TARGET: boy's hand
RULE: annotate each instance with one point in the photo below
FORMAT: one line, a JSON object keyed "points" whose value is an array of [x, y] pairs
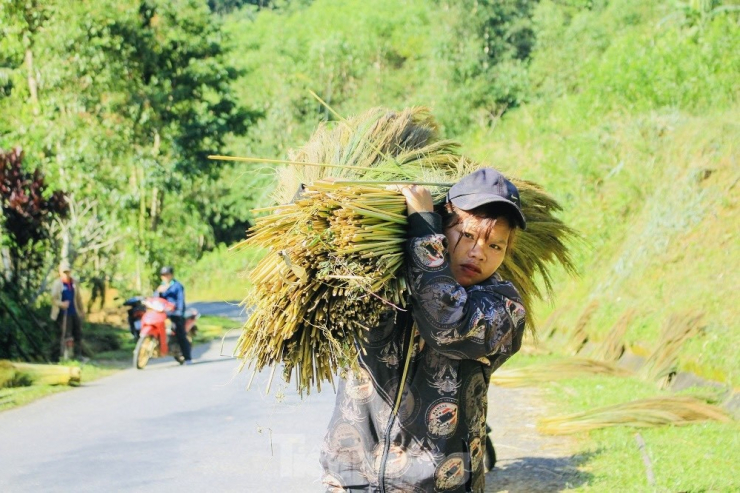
{"points": [[418, 199], [64, 305]]}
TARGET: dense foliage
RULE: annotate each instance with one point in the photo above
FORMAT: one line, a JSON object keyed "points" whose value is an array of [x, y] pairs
{"points": [[118, 101], [29, 210]]}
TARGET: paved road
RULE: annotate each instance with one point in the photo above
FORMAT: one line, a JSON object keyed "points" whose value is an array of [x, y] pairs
{"points": [[168, 428], [230, 309], [196, 428]]}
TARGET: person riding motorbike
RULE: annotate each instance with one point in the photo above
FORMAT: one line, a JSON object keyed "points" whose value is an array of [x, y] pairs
{"points": [[174, 292]]}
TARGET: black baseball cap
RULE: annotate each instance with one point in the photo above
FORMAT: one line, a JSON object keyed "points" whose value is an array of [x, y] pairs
{"points": [[166, 270], [486, 186]]}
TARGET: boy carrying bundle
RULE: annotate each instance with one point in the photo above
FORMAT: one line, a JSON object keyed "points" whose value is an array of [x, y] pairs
{"points": [[413, 418]]}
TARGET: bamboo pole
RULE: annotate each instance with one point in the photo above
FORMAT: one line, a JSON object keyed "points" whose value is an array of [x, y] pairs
{"points": [[241, 159]]}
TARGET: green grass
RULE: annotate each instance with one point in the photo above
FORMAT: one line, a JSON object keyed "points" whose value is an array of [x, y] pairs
{"points": [[655, 197], [19, 396], [220, 275], [694, 458], [108, 344], [212, 328]]}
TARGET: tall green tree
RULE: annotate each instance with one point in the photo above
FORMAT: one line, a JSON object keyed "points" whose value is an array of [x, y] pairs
{"points": [[134, 96]]}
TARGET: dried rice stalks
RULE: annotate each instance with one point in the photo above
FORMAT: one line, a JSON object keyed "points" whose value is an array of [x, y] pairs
{"points": [[336, 251], [335, 266], [661, 364], [579, 335], [612, 348], [547, 372], [13, 374], [643, 413], [550, 327], [538, 247]]}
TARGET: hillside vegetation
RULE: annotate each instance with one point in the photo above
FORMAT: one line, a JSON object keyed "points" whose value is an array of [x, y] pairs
{"points": [[636, 132], [625, 110]]}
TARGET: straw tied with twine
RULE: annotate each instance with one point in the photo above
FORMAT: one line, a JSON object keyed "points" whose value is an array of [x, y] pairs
{"points": [[336, 250]]}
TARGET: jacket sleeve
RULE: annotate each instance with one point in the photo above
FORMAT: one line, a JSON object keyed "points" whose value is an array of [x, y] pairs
{"points": [[480, 323], [180, 305], [56, 293]]}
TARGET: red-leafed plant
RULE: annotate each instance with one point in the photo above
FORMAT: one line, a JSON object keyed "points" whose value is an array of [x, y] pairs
{"points": [[28, 209]]}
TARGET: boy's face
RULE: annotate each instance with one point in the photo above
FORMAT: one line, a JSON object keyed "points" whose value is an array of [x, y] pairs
{"points": [[473, 258]]}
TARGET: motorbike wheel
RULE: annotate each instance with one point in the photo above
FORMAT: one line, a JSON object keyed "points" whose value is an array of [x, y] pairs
{"points": [[144, 350]]}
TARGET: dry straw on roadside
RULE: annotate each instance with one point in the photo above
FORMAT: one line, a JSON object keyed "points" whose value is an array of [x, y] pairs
{"points": [[663, 361], [612, 348], [556, 370], [643, 413], [579, 335], [14, 374], [335, 260]]}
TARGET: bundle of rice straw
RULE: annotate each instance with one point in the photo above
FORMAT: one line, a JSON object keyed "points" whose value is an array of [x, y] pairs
{"points": [[612, 347], [336, 249], [662, 363], [556, 370], [643, 413], [579, 334], [15, 374]]}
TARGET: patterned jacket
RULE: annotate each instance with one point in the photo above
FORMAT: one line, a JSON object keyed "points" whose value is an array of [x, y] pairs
{"points": [[427, 434]]}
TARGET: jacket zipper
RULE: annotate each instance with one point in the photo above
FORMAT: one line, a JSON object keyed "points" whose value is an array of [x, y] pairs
{"points": [[394, 413]]}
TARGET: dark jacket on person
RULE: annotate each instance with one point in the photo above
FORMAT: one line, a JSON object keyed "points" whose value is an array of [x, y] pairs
{"points": [[175, 294], [428, 433]]}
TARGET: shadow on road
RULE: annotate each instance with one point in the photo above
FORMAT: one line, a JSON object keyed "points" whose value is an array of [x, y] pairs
{"points": [[224, 345], [538, 474]]}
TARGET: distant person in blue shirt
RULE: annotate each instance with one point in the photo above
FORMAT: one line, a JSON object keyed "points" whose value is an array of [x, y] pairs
{"points": [[67, 311], [174, 292]]}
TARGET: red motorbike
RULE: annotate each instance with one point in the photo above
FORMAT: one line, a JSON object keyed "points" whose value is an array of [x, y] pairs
{"points": [[157, 337]]}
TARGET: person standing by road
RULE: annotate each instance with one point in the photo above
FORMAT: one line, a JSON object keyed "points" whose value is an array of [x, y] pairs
{"points": [[174, 292], [67, 311]]}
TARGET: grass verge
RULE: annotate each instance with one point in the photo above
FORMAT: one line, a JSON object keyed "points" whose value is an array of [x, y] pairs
{"points": [[694, 458], [19, 396], [220, 275]]}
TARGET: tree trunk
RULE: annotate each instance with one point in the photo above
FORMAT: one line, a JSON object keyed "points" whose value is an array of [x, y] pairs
{"points": [[32, 85], [154, 209], [7, 264], [67, 248], [141, 243]]}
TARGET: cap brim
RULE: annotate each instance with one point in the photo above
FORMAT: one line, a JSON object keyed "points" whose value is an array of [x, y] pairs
{"points": [[473, 201]]}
